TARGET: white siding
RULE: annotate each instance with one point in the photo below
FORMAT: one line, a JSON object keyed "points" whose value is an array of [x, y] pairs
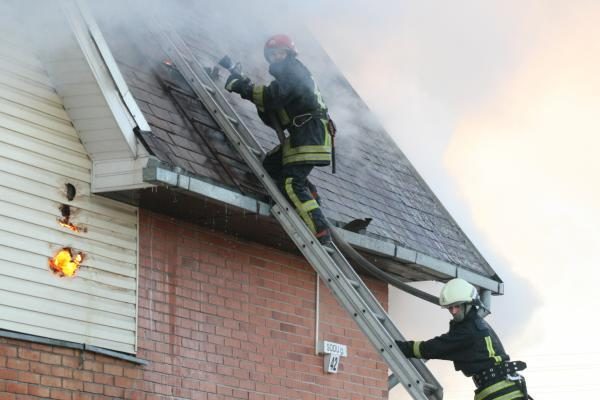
{"points": [[40, 152]]}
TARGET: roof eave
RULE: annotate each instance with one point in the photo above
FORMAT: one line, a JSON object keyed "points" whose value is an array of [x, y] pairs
{"points": [[158, 174]]}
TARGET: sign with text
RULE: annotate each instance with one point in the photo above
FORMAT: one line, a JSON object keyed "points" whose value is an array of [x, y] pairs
{"points": [[326, 347], [333, 353]]}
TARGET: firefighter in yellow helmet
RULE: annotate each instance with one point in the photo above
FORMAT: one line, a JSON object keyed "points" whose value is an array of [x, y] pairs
{"points": [[472, 345], [294, 101]]}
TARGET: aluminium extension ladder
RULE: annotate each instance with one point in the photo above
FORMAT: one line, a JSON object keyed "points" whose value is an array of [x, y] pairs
{"points": [[329, 263]]}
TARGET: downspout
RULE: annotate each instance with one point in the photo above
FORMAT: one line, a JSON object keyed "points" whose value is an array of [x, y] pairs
{"points": [[317, 310]]}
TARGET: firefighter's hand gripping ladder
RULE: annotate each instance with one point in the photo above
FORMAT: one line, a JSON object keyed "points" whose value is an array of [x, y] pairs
{"points": [[329, 263]]}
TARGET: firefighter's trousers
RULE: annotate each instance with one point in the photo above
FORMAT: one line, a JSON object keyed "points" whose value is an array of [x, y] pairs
{"points": [[293, 183]]}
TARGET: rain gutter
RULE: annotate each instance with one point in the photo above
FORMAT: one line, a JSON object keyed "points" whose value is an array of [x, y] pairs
{"points": [[177, 179]]}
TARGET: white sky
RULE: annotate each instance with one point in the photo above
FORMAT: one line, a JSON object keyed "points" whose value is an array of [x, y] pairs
{"points": [[497, 104]]}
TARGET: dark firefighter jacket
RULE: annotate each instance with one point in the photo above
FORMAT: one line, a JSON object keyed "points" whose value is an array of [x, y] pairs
{"points": [[294, 97], [471, 344]]}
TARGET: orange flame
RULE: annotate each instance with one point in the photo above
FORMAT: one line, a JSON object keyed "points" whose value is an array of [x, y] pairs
{"points": [[64, 263], [65, 222]]}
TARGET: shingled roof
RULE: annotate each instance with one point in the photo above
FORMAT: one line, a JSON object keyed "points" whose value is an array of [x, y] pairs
{"points": [[374, 179]]}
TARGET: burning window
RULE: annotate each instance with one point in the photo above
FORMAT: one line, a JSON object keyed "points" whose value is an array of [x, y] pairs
{"points": [[65, 262]]}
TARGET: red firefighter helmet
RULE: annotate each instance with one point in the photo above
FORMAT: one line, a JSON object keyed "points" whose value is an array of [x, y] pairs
{"points": [[280, 41]]}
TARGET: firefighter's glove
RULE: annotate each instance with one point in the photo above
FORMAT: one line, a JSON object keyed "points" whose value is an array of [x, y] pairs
{"points": [[239, 84], [405, 347]]}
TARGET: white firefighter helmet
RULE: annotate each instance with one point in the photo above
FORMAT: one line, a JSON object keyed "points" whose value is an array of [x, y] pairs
{"points": [[458, 291]]}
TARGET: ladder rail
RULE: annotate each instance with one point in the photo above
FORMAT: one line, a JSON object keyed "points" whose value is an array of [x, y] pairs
{"points": [[211, 95], [377, 308], [353, 301]]}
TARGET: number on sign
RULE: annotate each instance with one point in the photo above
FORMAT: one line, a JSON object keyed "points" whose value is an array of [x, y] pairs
{"points": [[333, 363]]}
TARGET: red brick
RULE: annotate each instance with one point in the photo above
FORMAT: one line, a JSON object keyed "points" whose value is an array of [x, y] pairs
{"points": [[84, 376], [93, 387], [39, 368], [50, 358], [113, 392], [72, 362], [8, 374], [29, 354], [60, 394], [16, 387], [15, 363], [132, 372], [5, 395], [72, 384], [123, 382], [39, 391], [92, 366], [28, 377], [104, 379], [62, 372], [65, 351], [51, 381], [7, 351], [113, 370]]}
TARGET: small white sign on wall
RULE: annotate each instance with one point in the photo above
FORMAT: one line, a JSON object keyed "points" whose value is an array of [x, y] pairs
{"points": [[333, 353]]}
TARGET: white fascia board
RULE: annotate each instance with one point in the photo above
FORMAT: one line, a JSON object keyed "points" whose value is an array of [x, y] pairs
{"points": [[106, 72], [113, 67], [119, 174]]}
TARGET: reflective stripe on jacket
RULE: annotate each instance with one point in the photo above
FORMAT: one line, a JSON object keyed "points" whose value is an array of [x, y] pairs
{"points": [[471, 344], [293, 93]]}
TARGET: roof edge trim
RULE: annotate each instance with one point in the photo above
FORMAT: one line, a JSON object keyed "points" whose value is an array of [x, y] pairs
{"points": [[161, 175], [420, 260], [108, 76]]}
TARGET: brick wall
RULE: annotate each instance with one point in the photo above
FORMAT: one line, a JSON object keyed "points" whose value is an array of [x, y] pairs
{"points": [[219, 318]]}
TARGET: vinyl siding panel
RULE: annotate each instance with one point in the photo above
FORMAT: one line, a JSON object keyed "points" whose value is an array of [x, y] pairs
{"points": [[40, 152]]}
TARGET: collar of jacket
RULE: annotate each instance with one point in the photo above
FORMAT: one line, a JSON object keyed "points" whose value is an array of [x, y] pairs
{"points": [[471, 315]]}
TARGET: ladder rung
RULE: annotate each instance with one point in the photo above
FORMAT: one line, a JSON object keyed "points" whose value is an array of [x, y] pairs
{"points": [[256, 152], [380, 317], [232, 120], [354, 283], [392, 381], [208, 88], [430, 387]]}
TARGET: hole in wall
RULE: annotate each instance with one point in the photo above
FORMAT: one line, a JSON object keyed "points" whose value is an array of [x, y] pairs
{"points": [[70, 191], [66, 262]]}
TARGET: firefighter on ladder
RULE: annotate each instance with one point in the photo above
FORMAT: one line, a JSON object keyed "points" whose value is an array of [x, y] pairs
{"points": [[473, 346], [293, 102]]}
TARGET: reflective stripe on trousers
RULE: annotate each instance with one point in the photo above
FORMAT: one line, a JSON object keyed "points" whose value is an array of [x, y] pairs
{"points": [[293, 182], [503, 390]]}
